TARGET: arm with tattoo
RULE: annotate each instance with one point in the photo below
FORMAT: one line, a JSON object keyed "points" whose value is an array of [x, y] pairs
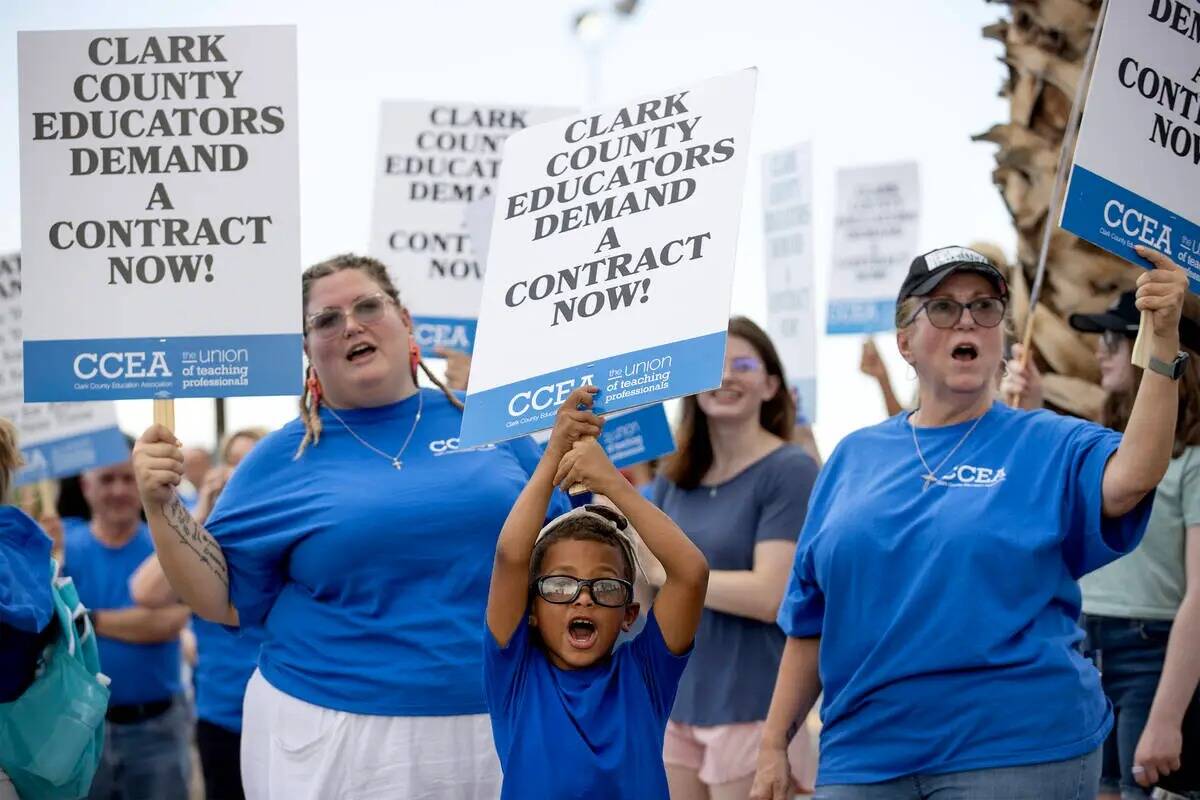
{"points": [[192, 560]]}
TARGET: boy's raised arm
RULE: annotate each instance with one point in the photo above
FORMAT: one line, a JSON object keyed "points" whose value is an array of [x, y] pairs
{"points": [[509, 593], [680, 601]]}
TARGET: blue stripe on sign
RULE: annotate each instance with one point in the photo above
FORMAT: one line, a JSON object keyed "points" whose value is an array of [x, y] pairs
{"points": [[632, 379], [638, 436], [186, 366], [72, 455], [1112, 217], [456, 333], [867, 316]]}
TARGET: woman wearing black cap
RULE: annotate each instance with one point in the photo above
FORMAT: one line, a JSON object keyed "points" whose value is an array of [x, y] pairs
{"points": [[940, 555], [1142, 613]]}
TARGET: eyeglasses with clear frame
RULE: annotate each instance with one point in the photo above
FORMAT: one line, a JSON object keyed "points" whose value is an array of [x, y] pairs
{"points": [[367, 310]]}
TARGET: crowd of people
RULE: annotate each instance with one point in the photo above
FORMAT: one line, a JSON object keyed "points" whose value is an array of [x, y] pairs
{"points": [[988, 601]]}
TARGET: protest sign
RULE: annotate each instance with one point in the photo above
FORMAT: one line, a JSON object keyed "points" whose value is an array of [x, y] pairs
{"points": [[1137, 161], [634, 437], [874, 241], [56, 439], [160, 213], [611, 257], [435, 159], [788, 262]]}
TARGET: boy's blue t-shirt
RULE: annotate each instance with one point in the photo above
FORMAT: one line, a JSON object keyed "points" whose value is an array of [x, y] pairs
{"points": [[949, 614], [586, 733], [140, 673], [371, 582], [226, 660]]}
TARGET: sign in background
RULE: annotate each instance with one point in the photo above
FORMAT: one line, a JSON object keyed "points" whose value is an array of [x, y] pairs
{"points": [[632, 437], [56, 439], [160, 235], [611, 257], [788, 262], [874, 242], [1137, 161], [435, 160]]}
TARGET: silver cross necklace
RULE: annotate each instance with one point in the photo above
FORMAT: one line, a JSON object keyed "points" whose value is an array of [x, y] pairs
{"points": [[930, 477], [396, 462]]}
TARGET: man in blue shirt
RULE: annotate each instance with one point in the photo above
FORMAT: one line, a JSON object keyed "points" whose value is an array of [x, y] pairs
{"points": [[146, 732]]}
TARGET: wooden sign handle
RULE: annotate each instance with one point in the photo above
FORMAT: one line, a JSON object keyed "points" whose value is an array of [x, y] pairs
{"points": [[164, 413], [1144, 342], [577, 489], [46, 502]]}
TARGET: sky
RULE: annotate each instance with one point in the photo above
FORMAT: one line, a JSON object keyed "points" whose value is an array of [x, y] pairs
{"points": [[868, 82]]}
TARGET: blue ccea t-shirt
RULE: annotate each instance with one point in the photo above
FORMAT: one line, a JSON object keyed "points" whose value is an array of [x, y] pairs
{"points": [[226, 660], [371, 582], [949, 615], [585, 733], [140, 673]]}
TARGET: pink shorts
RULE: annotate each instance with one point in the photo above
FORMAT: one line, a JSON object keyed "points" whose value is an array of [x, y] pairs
{"points": [[727, 753]]}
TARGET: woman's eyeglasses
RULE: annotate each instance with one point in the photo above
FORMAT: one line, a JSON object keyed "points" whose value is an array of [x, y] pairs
{"points": [[944, 312], [562, 589], [331, 322], [742, 365]]}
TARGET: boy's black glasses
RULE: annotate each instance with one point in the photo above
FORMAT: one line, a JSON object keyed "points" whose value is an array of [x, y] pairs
{"points": [[562, 589]]}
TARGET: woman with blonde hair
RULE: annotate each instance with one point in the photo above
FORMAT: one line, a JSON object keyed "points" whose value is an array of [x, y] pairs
{"points": [[359, 538]]}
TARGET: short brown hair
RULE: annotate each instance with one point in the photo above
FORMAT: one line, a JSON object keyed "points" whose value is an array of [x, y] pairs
{"points": [[588, 529]]}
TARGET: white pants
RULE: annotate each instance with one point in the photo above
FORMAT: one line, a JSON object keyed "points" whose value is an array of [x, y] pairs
{"points": [[293, 750]]}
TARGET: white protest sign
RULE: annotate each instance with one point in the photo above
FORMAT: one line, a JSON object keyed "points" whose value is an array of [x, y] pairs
{"points": [[874, 242], [56, 439], [788, 261], [1137, 161], [611, 257], [160, 213], [434, 160]]}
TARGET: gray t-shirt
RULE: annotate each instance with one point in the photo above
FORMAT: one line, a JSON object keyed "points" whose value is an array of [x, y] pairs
{"points": [[1149, 582], [732, 670]]}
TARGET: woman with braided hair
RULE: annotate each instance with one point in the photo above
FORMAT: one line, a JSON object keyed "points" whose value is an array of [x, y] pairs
{"points": [[359, 538]]}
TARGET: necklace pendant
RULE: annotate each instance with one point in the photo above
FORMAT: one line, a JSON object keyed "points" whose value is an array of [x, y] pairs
{"points": [[930, 479], [397, 463]]}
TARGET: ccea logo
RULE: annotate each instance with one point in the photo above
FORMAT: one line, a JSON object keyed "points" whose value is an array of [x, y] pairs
{"points": [[442, 447], [967, 475], [122, 365], [442, 334], [544, 397], [1138, 225]]}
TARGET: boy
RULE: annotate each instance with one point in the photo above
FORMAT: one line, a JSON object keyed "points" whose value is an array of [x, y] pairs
{"points": [[571, 716]]}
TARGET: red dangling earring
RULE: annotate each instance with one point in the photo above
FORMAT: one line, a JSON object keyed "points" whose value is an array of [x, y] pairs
{"points": [[314, 385], [414, 356]]}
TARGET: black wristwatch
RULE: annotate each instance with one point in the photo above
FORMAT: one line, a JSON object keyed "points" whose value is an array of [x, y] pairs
{"points": [[1174, 369]]}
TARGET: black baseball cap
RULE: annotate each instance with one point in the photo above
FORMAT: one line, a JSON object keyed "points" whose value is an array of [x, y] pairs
{"points": [[930, 269], [1123, 317]]}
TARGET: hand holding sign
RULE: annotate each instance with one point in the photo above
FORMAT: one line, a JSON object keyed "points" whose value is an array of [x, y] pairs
{"points": [[1160, 296], [588, 466], [575, 421], [157, 465]]}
